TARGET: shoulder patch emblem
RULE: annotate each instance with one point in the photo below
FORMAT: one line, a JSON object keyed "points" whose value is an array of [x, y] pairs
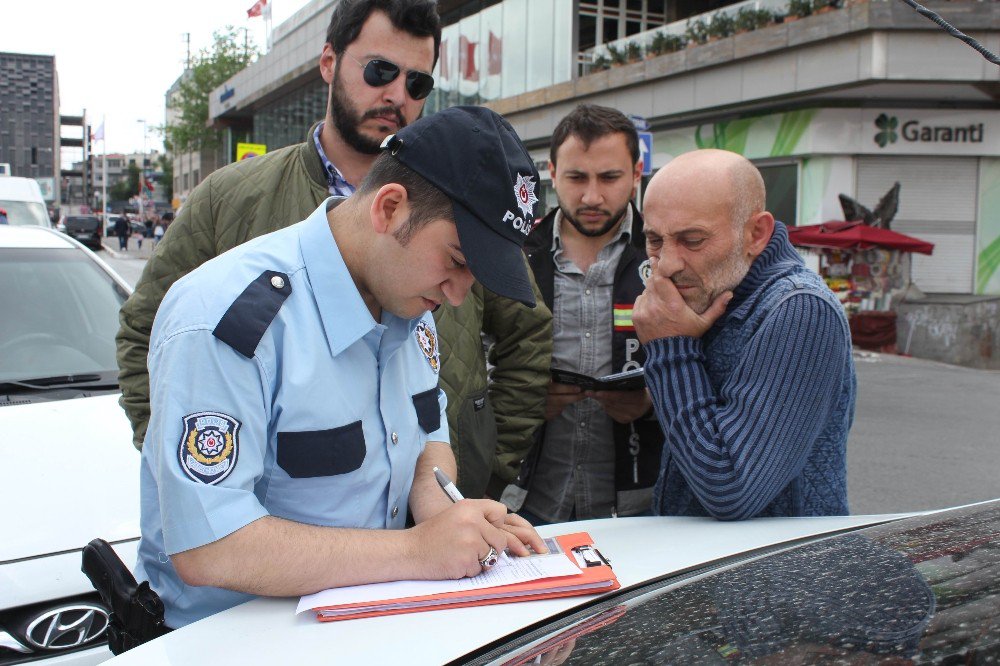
{"points": [[427, 341], [209, 446], [645, 270]]}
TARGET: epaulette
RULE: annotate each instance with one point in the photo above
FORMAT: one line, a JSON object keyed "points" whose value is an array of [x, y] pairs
{"points": [[252, 312]]}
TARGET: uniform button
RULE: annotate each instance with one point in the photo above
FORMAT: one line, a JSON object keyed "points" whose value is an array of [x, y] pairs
{"points": [[587, 292], [587, 334], [395, 511], [395, 438], [278, 282]]}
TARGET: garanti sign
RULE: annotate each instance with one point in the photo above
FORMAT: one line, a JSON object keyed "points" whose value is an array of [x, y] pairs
{"points": [[930, 132]]}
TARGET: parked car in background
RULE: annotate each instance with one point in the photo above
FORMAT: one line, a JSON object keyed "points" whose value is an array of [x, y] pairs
{"points": [[22, 199], [84, 228], [67, 470], [832, 590]]}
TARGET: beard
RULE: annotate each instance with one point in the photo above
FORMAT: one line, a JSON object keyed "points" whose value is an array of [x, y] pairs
{"points": [[347, 119], [609, 224], [724, 277]]}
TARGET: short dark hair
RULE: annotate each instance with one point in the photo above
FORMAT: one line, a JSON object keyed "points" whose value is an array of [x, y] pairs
{"points": [[427, 203], [417, 17], [589, 122]]}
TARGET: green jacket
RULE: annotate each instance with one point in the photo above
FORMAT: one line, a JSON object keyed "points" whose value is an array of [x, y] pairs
{"points": [[255, 197]]}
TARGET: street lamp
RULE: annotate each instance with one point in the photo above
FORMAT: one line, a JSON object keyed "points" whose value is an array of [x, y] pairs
{"points": [[142, 172]]}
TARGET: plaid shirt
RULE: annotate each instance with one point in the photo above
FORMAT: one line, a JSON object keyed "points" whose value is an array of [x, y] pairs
{"points": [[334, 179]]}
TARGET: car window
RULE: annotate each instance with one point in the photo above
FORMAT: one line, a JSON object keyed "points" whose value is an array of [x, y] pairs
{"points": [[83, 222], [26, 213], [60, 314], [925, 590]]}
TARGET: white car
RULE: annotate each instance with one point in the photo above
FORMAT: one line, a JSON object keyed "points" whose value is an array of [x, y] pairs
{"points": [[851, 589], [68, 472]]}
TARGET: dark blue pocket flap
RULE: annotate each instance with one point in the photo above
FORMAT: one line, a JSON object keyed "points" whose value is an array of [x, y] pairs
{"points": [[428, 410], [314, 453]]}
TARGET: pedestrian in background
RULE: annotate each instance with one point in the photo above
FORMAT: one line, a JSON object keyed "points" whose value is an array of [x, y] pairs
{"points": [[122, 228], [3, 216], [157, 233]]}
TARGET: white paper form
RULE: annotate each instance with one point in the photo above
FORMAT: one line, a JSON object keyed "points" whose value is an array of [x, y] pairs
{"points": [[509, 570]]}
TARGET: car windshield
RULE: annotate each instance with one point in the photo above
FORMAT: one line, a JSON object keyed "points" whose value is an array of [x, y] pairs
{"points": [[26, 213], [924, 590], [60, 316]]}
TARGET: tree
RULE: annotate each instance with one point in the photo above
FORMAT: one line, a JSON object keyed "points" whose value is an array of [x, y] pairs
{"points": [[167, 167], [126, 188], [210, 68]]}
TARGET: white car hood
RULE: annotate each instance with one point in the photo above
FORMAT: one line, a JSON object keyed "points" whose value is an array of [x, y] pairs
{"points": [[69, 474]]}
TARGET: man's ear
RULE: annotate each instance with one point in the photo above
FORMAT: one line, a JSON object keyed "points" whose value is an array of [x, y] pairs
{"points": [[390, 208], [327, 63], [758, 233], [552, 170]]}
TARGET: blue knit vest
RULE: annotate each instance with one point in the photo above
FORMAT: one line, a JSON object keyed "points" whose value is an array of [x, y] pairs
{"points": [[708, 370]]}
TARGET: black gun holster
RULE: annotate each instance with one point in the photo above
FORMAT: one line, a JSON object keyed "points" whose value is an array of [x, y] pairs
{"points": [[136, 611]]}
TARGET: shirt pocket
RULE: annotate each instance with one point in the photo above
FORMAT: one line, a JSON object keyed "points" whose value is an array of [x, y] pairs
{"points": [[315, 453], [428, 410]]}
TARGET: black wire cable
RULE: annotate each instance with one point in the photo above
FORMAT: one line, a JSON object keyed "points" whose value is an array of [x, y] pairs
{"points": [[953, 31]]}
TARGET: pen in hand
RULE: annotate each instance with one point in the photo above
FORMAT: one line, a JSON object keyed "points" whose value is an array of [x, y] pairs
{"points": [[447, 485]]}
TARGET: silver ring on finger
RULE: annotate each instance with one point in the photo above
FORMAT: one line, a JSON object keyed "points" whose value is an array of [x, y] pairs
{"points": [[490, 559]]}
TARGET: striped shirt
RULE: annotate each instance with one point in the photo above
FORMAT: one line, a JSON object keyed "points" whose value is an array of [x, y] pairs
{"points": [[756, 413]]}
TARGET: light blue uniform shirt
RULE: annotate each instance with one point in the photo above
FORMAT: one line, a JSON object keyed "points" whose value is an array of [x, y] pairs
{"points": [[321, 424]]}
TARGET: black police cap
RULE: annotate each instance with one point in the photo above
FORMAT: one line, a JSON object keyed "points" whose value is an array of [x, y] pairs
{"points": [[475, 157]]}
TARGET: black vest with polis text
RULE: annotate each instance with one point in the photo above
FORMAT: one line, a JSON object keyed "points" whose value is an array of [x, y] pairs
{"points": [[638, 444]]}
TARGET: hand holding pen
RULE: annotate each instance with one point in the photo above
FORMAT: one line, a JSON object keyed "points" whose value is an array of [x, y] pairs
{"points": [[520, 532]]}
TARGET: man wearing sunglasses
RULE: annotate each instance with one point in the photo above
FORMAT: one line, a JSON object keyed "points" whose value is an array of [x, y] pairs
{"points": [[376, 62]]}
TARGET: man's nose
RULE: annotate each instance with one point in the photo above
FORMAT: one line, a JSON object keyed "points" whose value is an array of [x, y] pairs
{"points": [[456, 288], [592, 195], [394, 93], [668, 263]]}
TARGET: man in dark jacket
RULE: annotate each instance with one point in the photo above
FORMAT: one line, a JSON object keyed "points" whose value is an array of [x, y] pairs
{"points": [[122, 230], [599, 453]]}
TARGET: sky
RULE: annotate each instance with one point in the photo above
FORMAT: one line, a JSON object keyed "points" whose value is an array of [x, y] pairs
{"points": [[116, 58]]}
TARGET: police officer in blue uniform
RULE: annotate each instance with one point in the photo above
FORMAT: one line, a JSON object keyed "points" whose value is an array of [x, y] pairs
{"points": [[296, 413]]}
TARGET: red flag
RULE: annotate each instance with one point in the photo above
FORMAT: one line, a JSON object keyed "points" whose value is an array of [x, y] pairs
{"points": [[257, 9], [443, 59], [467, 58], [496, 55]]}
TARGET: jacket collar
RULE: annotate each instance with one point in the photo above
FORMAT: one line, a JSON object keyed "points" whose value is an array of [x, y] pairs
{"points": [[310, 159]]}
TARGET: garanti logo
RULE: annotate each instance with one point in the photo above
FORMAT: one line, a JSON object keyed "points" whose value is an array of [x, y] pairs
{"points": [[916, 131], [887, 130]]}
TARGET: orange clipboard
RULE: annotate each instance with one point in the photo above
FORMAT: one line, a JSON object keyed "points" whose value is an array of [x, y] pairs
{"points": [[596, 577]]}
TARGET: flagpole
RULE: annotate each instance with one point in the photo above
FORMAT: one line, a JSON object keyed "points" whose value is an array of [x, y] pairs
{"points": [[104, 169]]}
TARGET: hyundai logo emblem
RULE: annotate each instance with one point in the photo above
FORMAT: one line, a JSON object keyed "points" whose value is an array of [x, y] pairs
{"points": [[67, 627]]}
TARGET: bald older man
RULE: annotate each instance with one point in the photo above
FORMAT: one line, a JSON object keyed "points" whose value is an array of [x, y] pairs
{"points": [[748, 352]]}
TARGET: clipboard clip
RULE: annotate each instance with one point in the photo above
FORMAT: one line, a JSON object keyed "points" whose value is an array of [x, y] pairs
{"points": [[588, 556]]}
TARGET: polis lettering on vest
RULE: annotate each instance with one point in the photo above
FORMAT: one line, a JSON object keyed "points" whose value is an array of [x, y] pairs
{"points": [[518, 223], [912, 130]]}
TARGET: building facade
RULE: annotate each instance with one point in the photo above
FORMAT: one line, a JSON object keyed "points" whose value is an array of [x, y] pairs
{"points": [[29, 119], [847, 101]]}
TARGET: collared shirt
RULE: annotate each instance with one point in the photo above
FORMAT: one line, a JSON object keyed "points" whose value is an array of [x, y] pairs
{"points": [[575, 472], [338, 186], [323, 425]]}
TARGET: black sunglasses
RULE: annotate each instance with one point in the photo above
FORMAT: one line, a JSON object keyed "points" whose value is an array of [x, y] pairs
{"points": [[380, 73]]}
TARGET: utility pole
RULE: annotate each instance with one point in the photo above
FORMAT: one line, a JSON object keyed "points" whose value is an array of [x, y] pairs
{"points": [[142, 173], [187, 59]]}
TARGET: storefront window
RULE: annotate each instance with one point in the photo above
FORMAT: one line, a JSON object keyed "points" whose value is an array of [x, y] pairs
{"points": [[782, 184]]}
